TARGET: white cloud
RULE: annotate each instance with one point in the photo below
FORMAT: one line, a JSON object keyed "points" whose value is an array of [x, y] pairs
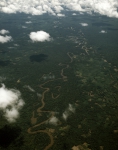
{"points": [[58, 8], [3, 31], [28, 22], [35, 7], [103, 31], [16, 45], [24, 27], [68, 111], [10, 47], [81, 13], [54, 120], [84, 24], [40, 36], [60, 15], [39, 95], [74, 14], [29, 88], [65, 115], [46, 77], [11, 114], [10, 103], [5, 39], [71, 108], [8, 10]]}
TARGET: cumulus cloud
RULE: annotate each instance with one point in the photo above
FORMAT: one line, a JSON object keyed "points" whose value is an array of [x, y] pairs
{"points": [[28, 22], [3, 31], [39, 95], [46, 77], [40, 36], [74, 14], [65, 115], [60, 15], [35, 7], [54, 121], [71, 108], [84, 24], [68, 111], [81, 13], [16, 45], [29, 88], [103, 31], [24, 27], [10, 103], [5, 39]]}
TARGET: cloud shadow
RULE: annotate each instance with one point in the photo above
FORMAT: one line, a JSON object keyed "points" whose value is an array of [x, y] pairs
{"points": [[4, 63], [38, 58], [8, 135]]}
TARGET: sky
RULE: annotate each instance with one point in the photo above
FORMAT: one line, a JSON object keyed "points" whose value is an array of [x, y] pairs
{"points": [[56, 7]]}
